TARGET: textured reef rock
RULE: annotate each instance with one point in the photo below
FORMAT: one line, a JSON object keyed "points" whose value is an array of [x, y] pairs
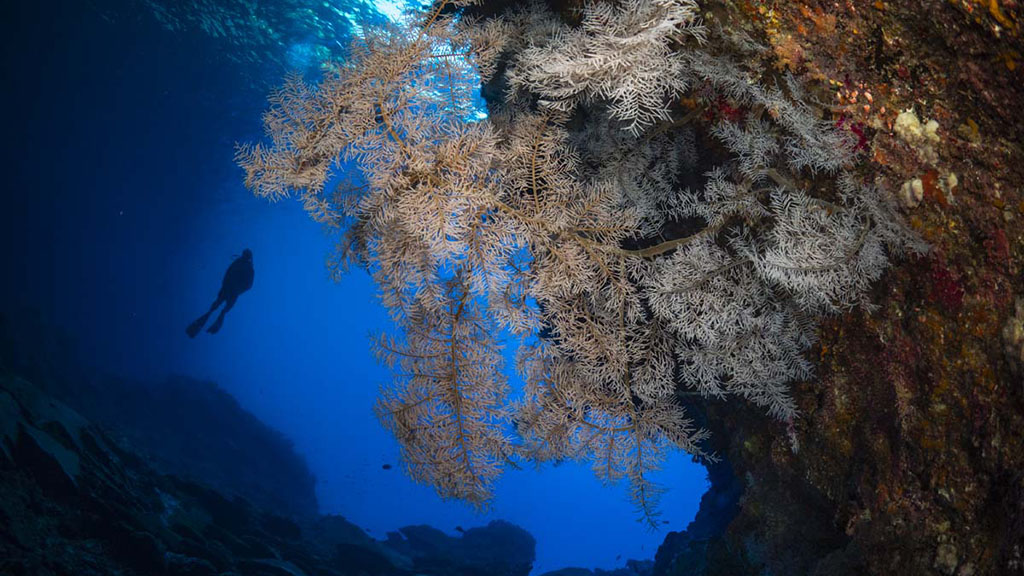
{"points": [[223, 446], [908, 455], [692, 550], [498, 549], [632, 568], [73, 502], [220, 440]]}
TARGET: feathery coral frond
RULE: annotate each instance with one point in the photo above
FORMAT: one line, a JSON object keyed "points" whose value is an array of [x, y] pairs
{"points": [[636, 253], [447, 406]]}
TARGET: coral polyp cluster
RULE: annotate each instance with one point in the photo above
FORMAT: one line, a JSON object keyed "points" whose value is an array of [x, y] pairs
{"points": [[639, 245]]}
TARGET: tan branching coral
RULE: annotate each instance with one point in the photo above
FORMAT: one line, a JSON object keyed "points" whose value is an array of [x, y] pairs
{"points": [[528, 223]]}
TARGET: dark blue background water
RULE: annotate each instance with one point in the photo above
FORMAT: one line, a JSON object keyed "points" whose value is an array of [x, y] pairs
{"points": [[122, 208]]}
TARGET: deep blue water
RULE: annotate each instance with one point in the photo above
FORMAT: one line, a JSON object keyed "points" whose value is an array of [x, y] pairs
{"points": [[122, 207]]}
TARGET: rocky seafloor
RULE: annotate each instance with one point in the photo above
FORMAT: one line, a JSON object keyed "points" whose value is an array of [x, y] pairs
{"points": [[83, 498], [94, 482]]}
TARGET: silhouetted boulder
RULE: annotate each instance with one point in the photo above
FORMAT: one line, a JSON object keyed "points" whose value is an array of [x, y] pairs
{"points": [[73, 502], [181, 426], [632, 568], [498, 549]]}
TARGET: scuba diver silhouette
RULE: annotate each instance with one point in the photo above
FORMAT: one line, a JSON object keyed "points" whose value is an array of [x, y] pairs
{"points": [[237, 279]]}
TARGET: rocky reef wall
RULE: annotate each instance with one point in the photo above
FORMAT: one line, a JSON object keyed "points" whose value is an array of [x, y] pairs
{"points": [[179, 425], [908, 455], [72, 501]]}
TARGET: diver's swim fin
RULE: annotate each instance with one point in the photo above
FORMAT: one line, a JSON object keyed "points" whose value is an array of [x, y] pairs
{"points": [[196, 326], [215, 327]]}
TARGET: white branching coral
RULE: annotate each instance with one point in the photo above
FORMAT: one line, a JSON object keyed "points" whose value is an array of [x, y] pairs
{"points": [[620, 53], [635, 252], [735, 337]]}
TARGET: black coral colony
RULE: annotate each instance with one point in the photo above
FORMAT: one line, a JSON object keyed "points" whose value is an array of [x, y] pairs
{"points": [[635, 245]]}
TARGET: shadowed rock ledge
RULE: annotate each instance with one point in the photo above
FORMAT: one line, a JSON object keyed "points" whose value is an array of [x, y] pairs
{"points": [[73, 502]]}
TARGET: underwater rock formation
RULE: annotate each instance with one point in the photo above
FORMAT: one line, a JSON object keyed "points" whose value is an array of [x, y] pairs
{"points": [[498, 549], [908, 454], [223, 445], [691, 551], [200, 432], [73, 502], [632, 568]]}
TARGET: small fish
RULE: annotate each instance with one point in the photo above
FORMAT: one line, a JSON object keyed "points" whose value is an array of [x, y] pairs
{"points": [[665, 522], [386, 466], [460, 530], [619, 557]]}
